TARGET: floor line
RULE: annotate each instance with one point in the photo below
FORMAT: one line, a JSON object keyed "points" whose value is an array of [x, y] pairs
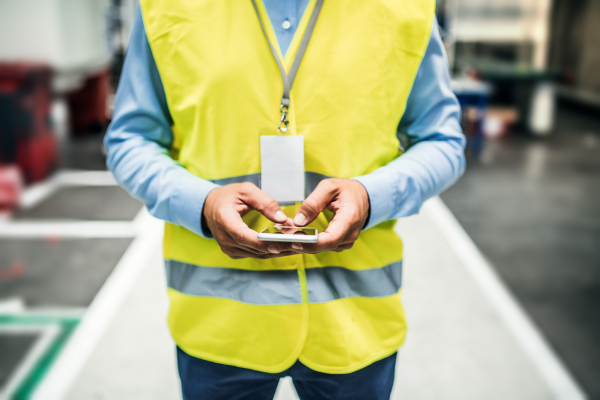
{"points": [[102, 310], [12, 305], [64, 229], [85, 178], [36, 193], [35, 353], [551, 368]]}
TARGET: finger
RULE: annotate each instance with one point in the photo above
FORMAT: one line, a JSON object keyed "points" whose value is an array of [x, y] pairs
{"points": [[281, 247], [287, 246], [332, 237], [228, 241], [237, 253], [233, 225], [225, 239], [262, 202], [315, 203], [289, 222], [336, 231], [282, 254], [294, 246], [351, 236], [343, 247]]}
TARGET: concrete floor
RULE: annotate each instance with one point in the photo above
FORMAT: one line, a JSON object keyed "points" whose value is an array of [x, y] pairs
{"points": [[59, 273], [458, 347], [532, 206], [83, 152], [85, 203], [13, 349], [57, 254]]}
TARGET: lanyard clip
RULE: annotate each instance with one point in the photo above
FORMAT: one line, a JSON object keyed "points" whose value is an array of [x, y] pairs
{"points": [[283, 123]]}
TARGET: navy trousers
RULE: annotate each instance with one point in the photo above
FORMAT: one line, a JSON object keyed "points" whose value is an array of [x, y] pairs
{"points": [[205, 380]]}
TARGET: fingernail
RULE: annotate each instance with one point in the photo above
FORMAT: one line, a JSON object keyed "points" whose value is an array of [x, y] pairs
{"points": [[299, 219], [296, 246], [273, 250], [280, 215]]}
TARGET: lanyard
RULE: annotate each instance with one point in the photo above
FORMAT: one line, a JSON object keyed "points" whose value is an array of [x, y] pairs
{"points": [[288, 79]]}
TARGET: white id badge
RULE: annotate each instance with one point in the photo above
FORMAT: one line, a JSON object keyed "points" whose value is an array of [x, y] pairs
{"points": [[282, 167]]}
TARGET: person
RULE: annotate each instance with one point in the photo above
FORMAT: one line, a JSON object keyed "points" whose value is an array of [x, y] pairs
{"points": [[198, 116]]}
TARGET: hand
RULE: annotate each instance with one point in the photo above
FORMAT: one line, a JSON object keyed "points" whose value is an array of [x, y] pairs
{"points": [[222, 214], [349, 202]]}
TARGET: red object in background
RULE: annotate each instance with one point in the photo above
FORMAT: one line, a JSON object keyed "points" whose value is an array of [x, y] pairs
{"points": [[16, 270], [26, 138], [11, 185], [88, 106]]}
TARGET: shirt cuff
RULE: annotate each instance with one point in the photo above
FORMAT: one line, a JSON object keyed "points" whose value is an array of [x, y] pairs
{"points": [[187, 203], [391, 195]]}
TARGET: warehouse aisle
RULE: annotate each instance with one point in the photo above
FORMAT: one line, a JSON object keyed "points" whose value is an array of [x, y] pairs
{"points": [[532, 207], [459, 346], [135, 359]]}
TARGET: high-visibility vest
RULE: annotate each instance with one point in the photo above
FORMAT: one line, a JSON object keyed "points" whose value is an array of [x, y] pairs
{"points": [[335, 312]]}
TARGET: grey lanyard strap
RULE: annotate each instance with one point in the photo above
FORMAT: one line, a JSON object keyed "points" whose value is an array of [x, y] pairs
{"points": [[288, 79]]}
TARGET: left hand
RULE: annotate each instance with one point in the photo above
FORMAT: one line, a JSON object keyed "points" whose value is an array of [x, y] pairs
{"points": [[349, 202]]}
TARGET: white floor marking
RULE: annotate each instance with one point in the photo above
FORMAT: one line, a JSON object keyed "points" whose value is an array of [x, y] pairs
{"points": [[85, 178], [38, 192], [148, 233], [61, 312], [102, 310], [48, 334], [524, 330], [67, 229], [12, 305]]}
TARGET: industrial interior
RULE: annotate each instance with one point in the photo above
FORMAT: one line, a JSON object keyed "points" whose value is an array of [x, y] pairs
{"points": [[510, 254]]}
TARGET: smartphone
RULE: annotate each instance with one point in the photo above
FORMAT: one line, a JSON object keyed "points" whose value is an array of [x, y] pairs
{"points": [[279, 233]]}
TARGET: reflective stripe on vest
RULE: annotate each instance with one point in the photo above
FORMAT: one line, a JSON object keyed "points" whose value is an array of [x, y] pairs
{"points": [[250, 287], [335, 312], [275, 287], [334, 283]]}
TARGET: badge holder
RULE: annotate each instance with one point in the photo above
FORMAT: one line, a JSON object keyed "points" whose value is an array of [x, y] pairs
{"points": [[282, 164]]}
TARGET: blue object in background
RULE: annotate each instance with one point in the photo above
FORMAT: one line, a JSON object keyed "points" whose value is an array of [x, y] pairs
{"points": [[473, 97]]}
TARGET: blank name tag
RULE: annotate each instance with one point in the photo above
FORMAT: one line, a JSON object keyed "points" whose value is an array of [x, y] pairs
{"points": [[282, 167]]}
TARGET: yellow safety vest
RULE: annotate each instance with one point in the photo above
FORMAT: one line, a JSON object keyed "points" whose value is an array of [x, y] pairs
{"points": [[335, 312]]}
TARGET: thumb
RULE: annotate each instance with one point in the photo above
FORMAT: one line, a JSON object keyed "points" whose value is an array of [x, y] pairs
{"points": [[315, 203], [262, 202]]}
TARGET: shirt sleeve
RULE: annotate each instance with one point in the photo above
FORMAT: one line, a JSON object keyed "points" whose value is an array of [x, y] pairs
{"points": [[435, 157], [139, 138]]}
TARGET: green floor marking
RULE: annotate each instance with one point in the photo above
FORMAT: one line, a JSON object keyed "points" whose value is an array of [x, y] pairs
{"points": [[67, 324]]}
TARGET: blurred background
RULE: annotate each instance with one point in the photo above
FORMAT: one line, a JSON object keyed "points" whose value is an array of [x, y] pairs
{"points": [[505, 265]]}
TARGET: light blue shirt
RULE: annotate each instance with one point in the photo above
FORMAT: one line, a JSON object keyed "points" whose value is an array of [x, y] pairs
{"points": [[139, 137]]}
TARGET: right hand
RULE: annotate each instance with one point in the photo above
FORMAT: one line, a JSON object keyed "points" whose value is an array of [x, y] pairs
{"points": [[222, 214]]}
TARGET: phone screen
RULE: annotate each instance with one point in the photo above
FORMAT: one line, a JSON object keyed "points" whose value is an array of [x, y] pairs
{"points": [[289, 230]]}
